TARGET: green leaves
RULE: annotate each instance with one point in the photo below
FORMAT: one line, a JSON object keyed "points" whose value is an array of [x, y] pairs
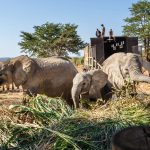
{"points": [[140, 14], [139, 23], [45, 110], [49, 124], [52, 39], [139, 20]]}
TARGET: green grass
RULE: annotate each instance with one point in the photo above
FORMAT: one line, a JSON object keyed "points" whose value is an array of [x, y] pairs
{"points": [[49, 123]]}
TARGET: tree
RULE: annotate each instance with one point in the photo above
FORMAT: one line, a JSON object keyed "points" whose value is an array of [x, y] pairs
{"points": [[139, 24], [52, 39]]}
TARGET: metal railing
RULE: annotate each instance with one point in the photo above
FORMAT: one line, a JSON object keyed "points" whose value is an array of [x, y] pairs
{"points": [[93, 64]]}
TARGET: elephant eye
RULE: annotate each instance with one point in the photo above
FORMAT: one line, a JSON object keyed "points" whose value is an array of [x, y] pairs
{"points": [[1, 74], [83, 83]]}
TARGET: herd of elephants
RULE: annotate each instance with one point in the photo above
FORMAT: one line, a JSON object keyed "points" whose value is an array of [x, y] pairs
{"points": [[58, 77]]}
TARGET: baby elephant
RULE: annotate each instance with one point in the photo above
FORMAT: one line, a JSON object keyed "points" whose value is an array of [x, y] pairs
{"points": [[90, 82]]}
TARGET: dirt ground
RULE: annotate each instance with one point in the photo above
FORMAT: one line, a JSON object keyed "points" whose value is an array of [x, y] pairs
{"points": [[143, 88], [9, 98]]}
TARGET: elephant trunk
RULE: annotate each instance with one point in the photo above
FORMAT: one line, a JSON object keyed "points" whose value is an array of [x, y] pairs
{"points": [[135, 72], [75, 92], [140, 78]]}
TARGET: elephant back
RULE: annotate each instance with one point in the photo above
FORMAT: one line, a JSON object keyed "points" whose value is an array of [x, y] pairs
{"points": [[51, 63]]}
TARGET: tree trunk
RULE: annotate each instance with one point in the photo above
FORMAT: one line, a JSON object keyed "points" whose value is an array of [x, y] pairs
{"points": [[147, 48], [148, 44]]}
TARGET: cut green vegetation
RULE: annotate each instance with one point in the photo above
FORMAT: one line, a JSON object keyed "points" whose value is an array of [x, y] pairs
{"points": [[48, 123]]}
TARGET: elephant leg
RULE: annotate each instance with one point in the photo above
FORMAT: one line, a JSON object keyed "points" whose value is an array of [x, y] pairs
{"points": [[106, 93], [12, 87], [70, 102], [3, 88], [7, 87], [68, 99], [67, 96]]}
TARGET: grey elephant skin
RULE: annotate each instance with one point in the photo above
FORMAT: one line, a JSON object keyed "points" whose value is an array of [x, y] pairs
{"points": [[51, 76], [121, 66], [7, 84], [90, 82]]}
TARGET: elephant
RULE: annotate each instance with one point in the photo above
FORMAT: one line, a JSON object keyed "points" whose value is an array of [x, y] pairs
{"points": [[90, 82], [51, 76], [121, 66], [6, 83], [132, 138]]}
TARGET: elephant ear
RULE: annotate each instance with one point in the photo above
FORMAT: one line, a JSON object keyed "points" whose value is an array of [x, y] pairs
{"points": [[99, 77], [23, 68]]}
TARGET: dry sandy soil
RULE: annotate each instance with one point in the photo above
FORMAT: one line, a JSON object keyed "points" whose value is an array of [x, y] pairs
{"points": [[9, 98]]}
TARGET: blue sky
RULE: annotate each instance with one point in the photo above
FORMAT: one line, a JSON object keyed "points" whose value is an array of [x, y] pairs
{"points": [[22, 15]]}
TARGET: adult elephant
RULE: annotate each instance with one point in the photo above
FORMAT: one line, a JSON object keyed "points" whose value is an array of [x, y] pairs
{"points": [[121, 66], [51, 76], [8, 83], [89, 83]]}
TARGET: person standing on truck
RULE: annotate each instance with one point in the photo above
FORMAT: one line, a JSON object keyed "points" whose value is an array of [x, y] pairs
{"points": [[103, 30], [98, 33], [111, 35]]}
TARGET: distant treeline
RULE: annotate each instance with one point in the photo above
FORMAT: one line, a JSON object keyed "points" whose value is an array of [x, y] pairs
{"points": [[4, 58]]}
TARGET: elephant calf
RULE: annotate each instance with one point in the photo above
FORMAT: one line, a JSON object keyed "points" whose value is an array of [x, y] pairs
{"points": [[90, 82], [51, 76]]}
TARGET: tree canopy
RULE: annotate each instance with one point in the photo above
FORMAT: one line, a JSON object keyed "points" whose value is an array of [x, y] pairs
{"points": [[139, 23], [52, 39]]}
